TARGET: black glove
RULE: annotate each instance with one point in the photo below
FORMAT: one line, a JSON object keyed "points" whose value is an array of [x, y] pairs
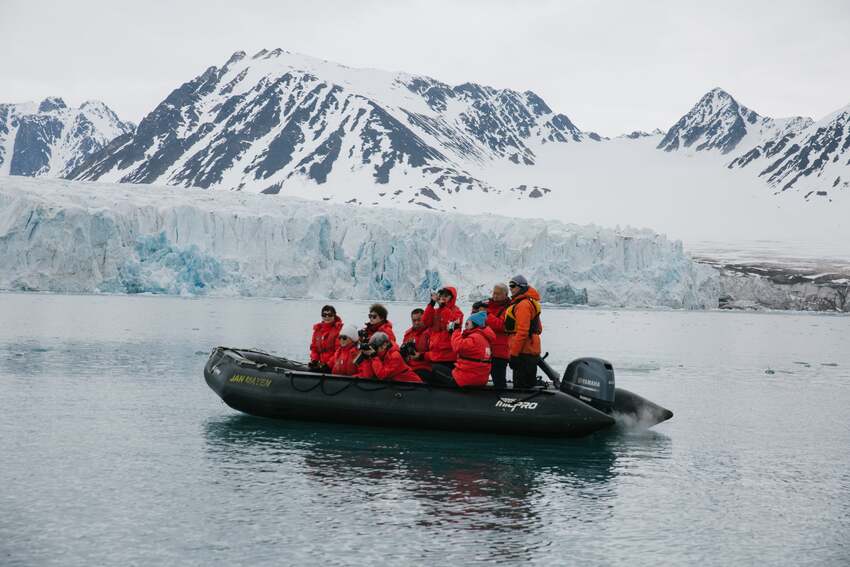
{"points": [[313, 364]]}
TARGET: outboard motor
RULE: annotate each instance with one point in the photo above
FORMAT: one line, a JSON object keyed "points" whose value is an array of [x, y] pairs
{"points": [[592, 381]]}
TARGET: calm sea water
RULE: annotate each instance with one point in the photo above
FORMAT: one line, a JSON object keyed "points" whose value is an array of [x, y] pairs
{"points": [[115, 452]]}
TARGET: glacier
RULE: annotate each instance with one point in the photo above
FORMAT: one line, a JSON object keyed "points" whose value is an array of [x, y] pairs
{"points": [[71, 236]]}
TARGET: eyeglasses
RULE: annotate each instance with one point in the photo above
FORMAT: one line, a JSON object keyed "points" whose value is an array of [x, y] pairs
{"points": [[327, 314], [374, 316], [512, 284], [343, 338]]}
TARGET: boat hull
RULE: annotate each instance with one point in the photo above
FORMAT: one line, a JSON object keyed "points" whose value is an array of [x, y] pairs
{"points": [[260, 384]]}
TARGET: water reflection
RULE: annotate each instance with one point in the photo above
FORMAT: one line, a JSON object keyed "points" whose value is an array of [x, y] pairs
{"points": [[435, 480]]}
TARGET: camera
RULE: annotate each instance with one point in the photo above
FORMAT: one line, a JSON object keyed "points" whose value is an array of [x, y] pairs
{"points": [[363, 346], [407, 349], [363, 335]]}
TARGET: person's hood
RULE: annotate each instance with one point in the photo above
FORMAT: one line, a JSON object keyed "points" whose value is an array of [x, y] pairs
{"points": [[453, 300], [486, 331], [489, 333]]}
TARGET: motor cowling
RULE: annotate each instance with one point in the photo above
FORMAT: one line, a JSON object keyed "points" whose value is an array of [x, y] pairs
{"points": [[592, 381]]}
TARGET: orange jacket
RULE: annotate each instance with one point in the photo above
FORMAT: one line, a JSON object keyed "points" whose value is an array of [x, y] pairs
{"points": [[472, 347], [438, 320], [520, 341], [324, 341], [391, 366], [343, 363]]}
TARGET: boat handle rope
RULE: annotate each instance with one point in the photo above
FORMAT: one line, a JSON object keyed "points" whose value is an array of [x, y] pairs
{"points": [[320, 383]]}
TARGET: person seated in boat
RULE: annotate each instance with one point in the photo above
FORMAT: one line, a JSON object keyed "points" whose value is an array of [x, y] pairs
{"points": [[472, 346], [324, 342], [495, 308], [442, 317], [523, 326], [346, 360], [377, 323], [386, 360], [414, 347]]}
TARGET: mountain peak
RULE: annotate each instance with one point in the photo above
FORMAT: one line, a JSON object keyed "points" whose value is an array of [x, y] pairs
{"points": [[716, 122], [51, 103], [237, 56]]}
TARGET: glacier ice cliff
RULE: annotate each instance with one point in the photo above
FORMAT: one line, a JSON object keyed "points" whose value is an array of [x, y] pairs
{"points": [[69, 236]]}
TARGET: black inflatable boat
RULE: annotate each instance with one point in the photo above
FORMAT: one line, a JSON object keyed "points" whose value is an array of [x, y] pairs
{"points": [[584, 401]]}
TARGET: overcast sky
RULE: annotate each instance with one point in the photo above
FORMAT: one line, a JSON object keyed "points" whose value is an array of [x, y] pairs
{"points": [[611, 67]]}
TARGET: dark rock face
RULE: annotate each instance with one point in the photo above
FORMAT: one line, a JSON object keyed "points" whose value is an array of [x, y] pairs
{"points": [[52, 139], [35, 136], [257, 122]]}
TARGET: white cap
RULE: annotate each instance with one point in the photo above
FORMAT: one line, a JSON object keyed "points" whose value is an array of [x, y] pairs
{"points": [[349, 331]]}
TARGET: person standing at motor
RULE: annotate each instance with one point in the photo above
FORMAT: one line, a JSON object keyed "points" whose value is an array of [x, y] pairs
{"points": [[472, 346], [495, 308], [523, 326], [324, 341], [442, 316], [415, 345]]}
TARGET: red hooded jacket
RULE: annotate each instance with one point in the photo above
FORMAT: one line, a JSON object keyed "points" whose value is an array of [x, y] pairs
{"points": [[496, 322], [343, 363], [473, 356], [385, 327], [422, 338], [438, 321], [391, 366], [324, 341]]}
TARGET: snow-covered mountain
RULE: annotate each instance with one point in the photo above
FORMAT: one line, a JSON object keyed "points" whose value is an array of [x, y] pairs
{"points": [[788, 153], [277, 118], [814, 157], [50, 139]]}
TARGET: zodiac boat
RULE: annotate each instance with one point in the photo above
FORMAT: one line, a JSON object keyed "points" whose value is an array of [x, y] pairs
{"points": [[583, 401]]}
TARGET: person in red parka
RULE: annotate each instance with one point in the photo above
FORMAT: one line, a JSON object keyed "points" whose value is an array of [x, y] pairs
{"points": [[346, 361], [378, 323], [495, 308], [442, 316], [418, 336], [472, 346], [386, 360], [323, 344]]}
